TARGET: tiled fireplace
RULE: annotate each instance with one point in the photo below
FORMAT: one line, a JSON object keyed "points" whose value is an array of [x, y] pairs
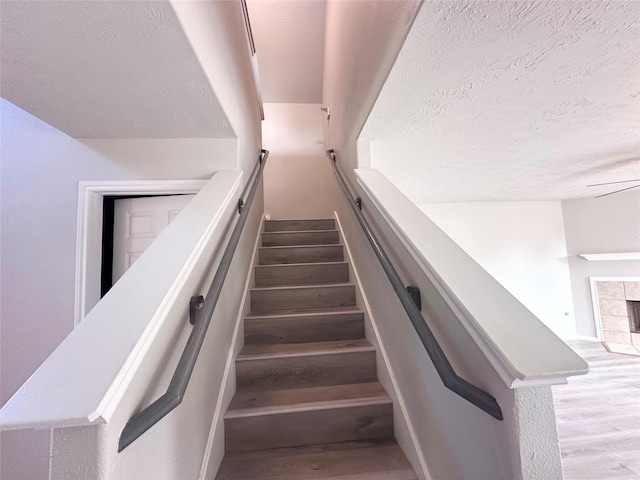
{"points": [[617, 303]]}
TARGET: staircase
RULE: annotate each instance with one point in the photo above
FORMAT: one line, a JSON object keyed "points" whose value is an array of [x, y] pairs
{"points": [[308, 404]]}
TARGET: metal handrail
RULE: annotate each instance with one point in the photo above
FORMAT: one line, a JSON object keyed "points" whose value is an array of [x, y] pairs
{"points": [[152, 414], [449, 377]]}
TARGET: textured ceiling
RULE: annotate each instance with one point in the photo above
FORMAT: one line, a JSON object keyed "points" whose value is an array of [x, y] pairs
{"points": [[106, 69], [289, 39], [510, 100]]}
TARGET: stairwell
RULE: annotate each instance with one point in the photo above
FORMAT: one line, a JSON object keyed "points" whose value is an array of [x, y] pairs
{"points": [[308, 404]]}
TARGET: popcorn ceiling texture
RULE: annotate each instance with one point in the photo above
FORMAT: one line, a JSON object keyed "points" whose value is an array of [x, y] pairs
{"points": [[107, 70], [512, 101]]}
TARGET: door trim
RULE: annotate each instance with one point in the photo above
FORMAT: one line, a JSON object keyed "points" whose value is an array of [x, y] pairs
{"points": [[89, 229]]}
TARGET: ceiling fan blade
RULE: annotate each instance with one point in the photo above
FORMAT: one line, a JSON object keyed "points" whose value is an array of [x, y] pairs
{"points": [[611, 183], [618, 191]]}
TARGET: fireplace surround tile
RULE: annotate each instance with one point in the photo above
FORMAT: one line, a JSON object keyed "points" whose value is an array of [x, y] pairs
{"points": [[610, 290], [615, 323], [613, 307], [617, 337], [632, 291], [621, 348]]}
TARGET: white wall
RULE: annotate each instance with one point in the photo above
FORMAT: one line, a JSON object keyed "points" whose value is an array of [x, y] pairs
{"points": [[40, 170], [609, 224], [218, 37], [361, 43], [295, 182], [522, 245]]}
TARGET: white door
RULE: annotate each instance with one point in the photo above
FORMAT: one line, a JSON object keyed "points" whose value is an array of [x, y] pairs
{"points": [[137, 222]]}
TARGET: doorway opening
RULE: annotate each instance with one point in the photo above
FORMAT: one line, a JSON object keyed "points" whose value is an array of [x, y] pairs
{"points": [[91, 197], [115, 212]]}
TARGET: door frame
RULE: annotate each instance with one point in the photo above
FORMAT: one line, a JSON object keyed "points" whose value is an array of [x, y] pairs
{"points": [[89, 229]]}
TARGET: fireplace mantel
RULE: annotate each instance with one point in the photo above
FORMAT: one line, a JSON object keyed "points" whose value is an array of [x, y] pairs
{"points": [[593, 257]]}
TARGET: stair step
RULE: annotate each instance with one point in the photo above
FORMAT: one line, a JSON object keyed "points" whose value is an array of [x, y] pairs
{"points": [[267, 402], [378, 459], [299, 225], [308, 404], [300, 254], [311, 237], [301, 274], [273, 299], [305, 416], [322, 325], [289, 365]]}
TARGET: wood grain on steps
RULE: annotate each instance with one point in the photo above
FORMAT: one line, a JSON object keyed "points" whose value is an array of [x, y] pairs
{"points": [[282, 366], [379, 459], [334, 415], [300, 254], [322, 325], [308, 404], [301, 274], [312, 237], [273, 299], [268, 401], [293, 225]]}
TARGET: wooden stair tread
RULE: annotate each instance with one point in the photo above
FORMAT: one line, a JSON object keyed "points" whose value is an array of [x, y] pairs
{"points": [[288, 265], [295, 254], [300, 247], [378, 459], [255, 352], [301, 231], [299, 224], [302, 287], [288, 274], [303, 313], [266, 402], [295, 238]]}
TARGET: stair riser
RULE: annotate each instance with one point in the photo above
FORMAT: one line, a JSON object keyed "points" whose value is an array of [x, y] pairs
{"points": [[309, 427], [325, 253], [304, 329], [281, 275], [374, 459], [300, 238], [302, 298], [300, 225], [306, 371]]}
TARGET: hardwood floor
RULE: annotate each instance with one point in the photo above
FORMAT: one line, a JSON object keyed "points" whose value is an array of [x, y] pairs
{"points": [[598, 416]]}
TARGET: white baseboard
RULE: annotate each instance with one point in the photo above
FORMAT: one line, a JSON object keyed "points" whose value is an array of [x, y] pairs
{"points": [[587, 338]]}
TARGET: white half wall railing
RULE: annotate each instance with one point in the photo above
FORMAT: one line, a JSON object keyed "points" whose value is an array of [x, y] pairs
{"points": [[446, 436], [522, 350], [122, 355], [488, 336], [83, 380]]}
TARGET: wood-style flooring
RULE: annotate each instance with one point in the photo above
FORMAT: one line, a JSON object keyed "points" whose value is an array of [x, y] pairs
{"points": [[598, 416]]}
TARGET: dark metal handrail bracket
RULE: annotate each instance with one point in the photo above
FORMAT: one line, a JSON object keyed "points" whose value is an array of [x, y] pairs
{"points": [[451, 380], [152, 414]]}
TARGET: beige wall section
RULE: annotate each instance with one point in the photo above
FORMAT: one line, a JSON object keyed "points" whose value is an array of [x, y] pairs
{"points": [[520, 244], [295, 182], [609, 224]]}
